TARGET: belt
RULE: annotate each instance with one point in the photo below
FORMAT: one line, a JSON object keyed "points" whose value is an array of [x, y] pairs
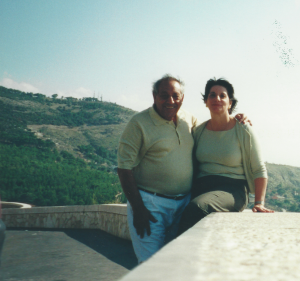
{"points": [[175, 197]]}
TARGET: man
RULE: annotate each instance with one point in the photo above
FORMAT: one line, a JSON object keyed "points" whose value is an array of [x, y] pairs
{"points": [[155, 167]]}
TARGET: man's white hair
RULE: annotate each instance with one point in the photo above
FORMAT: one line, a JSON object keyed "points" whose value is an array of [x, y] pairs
{"points": [[167, 77]]}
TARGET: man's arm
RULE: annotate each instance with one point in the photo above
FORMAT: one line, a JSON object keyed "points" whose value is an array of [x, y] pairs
{"points": [[141, 215], [242, 118]]}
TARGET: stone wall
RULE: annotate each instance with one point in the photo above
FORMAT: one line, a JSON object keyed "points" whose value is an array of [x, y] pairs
{"points": [[111, 218], [229, 247]]}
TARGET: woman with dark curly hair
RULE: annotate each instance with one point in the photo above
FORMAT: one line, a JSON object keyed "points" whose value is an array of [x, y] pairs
{"points": [[228, 163]]}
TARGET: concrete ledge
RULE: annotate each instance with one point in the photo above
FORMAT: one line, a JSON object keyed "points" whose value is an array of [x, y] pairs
{"points": [[108, 208], [8, 205], [111, 218], [230, 246]]}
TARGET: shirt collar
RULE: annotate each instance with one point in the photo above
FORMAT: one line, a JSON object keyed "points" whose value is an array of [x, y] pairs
{"points": [[158, 120]]}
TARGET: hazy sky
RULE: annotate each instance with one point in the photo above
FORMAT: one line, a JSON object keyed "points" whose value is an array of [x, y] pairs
{"points": [[118, 48]]}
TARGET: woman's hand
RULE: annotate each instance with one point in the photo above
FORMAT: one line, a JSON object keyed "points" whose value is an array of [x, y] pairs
{"points": [[261, 208], [260, 194], [242, 118]]}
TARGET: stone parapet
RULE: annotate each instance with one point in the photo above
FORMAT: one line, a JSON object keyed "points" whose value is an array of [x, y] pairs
{"points": [[111, 218], [228, 247], [7, 205]]}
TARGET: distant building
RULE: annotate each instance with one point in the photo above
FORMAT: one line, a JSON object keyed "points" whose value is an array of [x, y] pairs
{"points": [[278, 197]]}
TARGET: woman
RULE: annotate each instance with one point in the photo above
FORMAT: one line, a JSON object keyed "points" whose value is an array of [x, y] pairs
{"points": [[229, 164]]}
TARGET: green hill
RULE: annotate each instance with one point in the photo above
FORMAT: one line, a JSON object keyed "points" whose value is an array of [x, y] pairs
{"points": [[283, 187], [59, 151], [56, 151], [85, 128]]}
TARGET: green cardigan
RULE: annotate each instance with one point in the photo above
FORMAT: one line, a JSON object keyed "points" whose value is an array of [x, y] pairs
{"points": [[253, 164]]}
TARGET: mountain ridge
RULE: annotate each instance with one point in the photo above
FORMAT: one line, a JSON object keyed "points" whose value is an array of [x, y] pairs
{"points": [[89, 129]]}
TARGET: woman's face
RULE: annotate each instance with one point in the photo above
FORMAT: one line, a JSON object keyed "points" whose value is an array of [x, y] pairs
{"points": [[218, 100]]}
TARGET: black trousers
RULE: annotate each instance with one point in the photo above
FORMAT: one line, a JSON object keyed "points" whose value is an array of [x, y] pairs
{"points": [[214, 194]]}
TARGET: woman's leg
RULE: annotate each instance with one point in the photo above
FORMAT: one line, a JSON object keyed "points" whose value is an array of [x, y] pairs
{"points": [[229, 196]]}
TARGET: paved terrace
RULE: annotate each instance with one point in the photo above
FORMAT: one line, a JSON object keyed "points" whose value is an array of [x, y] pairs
{"points": [[60, 255], [66, 243], [223, 246]]}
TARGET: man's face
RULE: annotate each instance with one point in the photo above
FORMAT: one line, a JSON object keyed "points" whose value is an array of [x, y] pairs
{"points": [[168, 100]]}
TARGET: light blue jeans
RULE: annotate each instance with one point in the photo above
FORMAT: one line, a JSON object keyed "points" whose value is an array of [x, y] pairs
{"points": [[167, 212]]}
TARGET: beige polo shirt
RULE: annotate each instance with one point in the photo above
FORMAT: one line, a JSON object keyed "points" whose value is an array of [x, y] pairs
{"points": [[158, 152]]}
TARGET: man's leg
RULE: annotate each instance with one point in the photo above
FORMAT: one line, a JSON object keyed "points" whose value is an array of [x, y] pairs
{"points": [[167, 212], [148, 245], [179, 207]]}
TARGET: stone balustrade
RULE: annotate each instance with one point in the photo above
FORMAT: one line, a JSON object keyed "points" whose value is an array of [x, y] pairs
{"points": [[8, 205], [111, 218]]}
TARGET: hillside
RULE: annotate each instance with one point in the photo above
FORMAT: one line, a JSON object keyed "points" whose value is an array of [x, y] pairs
{"points": [[283, 187], [86, 128], [62, 151], [59, 151]]}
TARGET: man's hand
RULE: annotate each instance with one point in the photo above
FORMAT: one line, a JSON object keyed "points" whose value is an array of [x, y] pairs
{"points": [[141, 222], [141, 215], [242, 118]]}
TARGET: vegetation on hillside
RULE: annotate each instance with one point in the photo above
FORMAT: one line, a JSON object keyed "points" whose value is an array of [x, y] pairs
{"points": [[45, 177], [37, 170], [283, 187], [283, 192]]}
